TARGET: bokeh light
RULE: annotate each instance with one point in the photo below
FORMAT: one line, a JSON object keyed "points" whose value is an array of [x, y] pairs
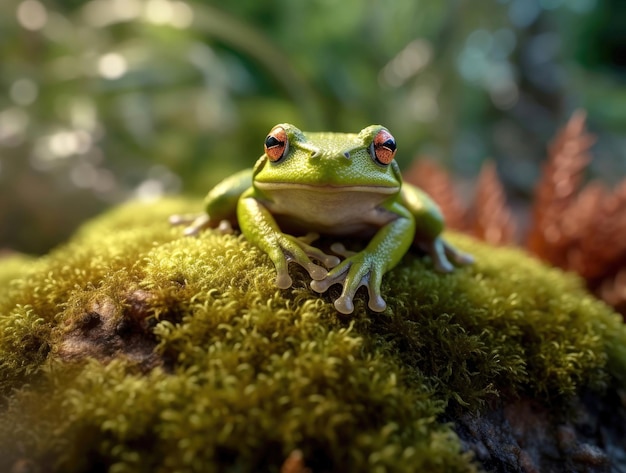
{"points": [[32, 15], [112, 66]]}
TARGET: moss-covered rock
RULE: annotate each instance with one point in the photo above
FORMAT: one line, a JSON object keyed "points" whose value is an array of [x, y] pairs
{"points": [[135, 349]]}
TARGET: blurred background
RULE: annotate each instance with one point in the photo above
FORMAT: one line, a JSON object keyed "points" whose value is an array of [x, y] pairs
{"points": [[106, 100]]}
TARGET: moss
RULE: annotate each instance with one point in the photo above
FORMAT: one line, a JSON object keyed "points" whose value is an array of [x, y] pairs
{"points": [[135, 349], [10, 268]]}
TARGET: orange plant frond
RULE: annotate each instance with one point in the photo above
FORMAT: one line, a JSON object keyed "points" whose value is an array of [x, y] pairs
{"points": [[612, 290], [568, 157], [578, 225], [294, 463], [492, 219], [437, 183], [604, 243]]}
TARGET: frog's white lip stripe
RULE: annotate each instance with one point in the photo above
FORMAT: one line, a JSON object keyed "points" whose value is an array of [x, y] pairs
{"points": [[327, 187]]}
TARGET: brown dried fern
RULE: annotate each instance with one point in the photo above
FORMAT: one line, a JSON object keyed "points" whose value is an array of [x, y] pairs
{"points": [[612, 290], [437, 183], [492, 219], [578, 218], [604, 250], [294, 463], [605, 243], [556, 191], [581, 231]]}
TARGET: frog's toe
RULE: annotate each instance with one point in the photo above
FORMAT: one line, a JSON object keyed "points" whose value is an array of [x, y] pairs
{"points": [[328, 261], [437, 252], [316, 272], [309, 237], [376, 302], [195, 222], [341, 250], [322, 285], [334, 276], [180, 219], [344, 305], [199, 223], [225, 227], [442, 265], [191, 231], [283, 280], [304, 242], [459, 257], [463, 259]]}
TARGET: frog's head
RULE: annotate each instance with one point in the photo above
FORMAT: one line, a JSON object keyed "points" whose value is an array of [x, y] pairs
{"points": [[331, 161]]}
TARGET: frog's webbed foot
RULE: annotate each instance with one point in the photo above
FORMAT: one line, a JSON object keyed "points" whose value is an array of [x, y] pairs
{"points": [[358, 270], [444, 255], [299, 250], [329, 261], [197, 223]]}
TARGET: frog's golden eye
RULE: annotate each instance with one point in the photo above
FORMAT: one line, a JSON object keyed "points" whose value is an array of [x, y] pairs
{"points": [[383, 148], [276, 144]]}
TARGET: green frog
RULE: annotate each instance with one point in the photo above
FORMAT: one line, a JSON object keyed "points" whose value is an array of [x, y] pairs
{"points": [[344, 185]]}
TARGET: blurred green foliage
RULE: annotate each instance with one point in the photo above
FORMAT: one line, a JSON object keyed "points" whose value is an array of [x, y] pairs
{"points": [[105, 100]]}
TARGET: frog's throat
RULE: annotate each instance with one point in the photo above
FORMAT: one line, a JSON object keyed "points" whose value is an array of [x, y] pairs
{"points": [[328, 188]]}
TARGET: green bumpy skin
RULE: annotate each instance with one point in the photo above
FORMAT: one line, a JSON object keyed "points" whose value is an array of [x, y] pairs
{"points": [[333, 184]]}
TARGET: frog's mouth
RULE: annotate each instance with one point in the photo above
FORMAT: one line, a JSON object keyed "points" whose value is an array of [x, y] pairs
{"points": [[327, 188]]}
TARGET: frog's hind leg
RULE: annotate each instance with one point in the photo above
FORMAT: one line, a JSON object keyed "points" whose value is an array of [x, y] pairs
{"points": [[444, 254], [195, 223], [183, 219], [460, 258]]}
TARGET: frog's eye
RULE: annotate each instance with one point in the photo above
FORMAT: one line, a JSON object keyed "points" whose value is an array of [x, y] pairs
{"points": [[383, 148], [276, 144]]}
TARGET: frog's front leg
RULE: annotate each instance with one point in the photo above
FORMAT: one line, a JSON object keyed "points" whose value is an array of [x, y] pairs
{"points": [[367, 267], [259, 227]]}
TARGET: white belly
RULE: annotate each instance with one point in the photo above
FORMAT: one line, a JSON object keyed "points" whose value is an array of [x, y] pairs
{"points": [[330, 211]]}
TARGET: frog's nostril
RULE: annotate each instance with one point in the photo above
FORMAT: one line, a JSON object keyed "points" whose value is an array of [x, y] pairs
{"points": [[316, 153], [347, 154]]}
